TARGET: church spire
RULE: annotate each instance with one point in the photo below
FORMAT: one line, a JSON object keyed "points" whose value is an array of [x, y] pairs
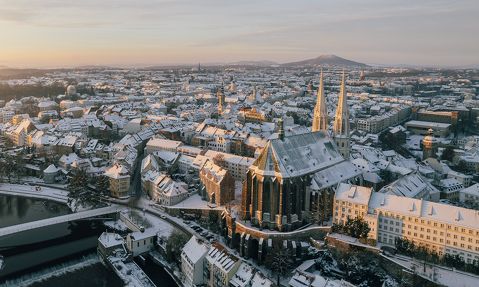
{"points": [[320, 118], [221, 99], [341, 121]]}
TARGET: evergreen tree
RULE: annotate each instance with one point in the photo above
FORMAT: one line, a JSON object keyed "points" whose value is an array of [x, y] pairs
{"points": [[79, 194], [103, 185], [354, 227], [174, 245], [448, 153], [10, 167], [280, 261], [3, 169]]}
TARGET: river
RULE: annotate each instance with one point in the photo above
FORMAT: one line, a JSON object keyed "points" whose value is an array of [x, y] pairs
{"points": [[36, 252]]}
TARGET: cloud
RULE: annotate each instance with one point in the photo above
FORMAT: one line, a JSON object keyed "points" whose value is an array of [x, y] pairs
{"points": [[372, 29]]}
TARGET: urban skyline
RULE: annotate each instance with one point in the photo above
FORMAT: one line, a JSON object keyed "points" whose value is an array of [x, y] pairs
{"points": [[183, 143]]}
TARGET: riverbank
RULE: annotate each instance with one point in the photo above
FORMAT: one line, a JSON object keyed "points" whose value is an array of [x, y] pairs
{"points": [[158, 259]]}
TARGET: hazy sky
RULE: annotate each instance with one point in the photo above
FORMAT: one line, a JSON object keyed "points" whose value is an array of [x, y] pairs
{"points": [[55, 33]]}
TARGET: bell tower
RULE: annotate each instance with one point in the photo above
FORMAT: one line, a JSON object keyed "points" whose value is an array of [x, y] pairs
{"points": [[320, 118], [341, 122]]}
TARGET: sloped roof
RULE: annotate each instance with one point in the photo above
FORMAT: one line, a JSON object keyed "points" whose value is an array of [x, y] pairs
{"points": [[51, 169], [424, 209], [411, 185], [297, 155], [195, 249]]}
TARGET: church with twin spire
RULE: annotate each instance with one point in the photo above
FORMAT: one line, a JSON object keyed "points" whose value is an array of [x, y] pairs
{"points": [[341, 119], [293, 172]]}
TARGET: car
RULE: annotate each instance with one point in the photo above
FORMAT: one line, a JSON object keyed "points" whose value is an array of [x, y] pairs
{"points": [[162, 216], [186, 221], [388, 251]]}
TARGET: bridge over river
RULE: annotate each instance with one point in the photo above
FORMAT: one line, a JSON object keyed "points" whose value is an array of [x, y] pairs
{"points": [[60, 219]]}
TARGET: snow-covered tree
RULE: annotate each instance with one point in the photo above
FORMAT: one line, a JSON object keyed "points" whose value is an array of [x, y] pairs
{"points": [[78, 192]]}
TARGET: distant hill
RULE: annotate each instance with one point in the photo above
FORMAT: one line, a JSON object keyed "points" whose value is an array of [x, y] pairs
{"points": [[253, 63], [93, 67], [13, 73], [328, 60]]}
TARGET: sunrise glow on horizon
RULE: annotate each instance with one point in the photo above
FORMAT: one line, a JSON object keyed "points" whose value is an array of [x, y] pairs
{"points": [[54, 33]]}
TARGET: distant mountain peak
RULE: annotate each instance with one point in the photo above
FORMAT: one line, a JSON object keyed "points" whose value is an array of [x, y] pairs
{"points": [[328, 56], [327, 60]]}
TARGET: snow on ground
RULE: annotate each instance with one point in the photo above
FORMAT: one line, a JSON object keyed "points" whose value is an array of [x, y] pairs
{"points": [[40, 192], [162, 227], [350, 240], [194, 201], [117, 225], [444, 276], [130, 273], [235, 212], [238, 192]]}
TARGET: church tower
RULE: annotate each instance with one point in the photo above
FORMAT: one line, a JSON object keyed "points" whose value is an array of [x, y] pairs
{"points": [[341, 122], [320, 118], [221, 99], [429, 145]]}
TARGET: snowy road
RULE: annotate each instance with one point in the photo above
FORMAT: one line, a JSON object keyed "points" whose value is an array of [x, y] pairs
{"points": [[439, 274], [46, 193]]}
